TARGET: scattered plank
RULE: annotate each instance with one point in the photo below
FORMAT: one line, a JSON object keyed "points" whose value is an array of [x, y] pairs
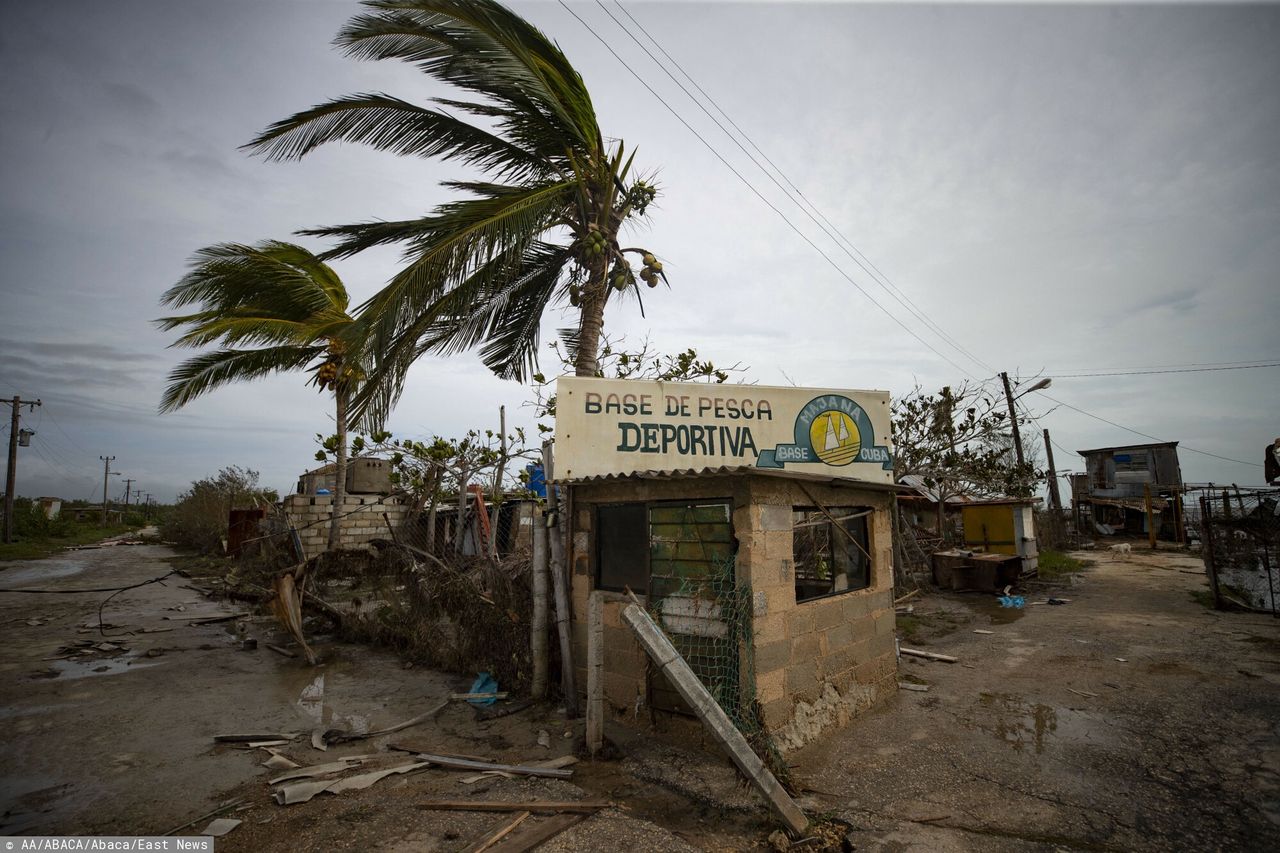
{"points": [[533, 834], [1084, 693], [478, 695], [467, 764], [552, 763], [906, 597], [919, 688], [982, 631], [289, 653], [536, 806], [493, 838], [250, 738], [916, 653]]}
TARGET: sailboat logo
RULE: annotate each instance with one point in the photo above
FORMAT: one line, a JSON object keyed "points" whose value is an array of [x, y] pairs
{"points": [[835, 438]]}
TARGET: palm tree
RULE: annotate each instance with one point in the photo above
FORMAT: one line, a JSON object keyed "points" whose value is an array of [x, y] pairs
{"points": [[274, 307], [541, 230]]}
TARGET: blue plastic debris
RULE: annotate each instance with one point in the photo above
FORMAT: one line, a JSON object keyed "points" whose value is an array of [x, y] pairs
{"points": [[484, 683], [1012, 601]]}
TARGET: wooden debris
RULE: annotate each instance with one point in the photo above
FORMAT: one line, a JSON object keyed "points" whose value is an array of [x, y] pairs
{"points": [[906, 597], [467, 764], [493, 838], [1084, 693], [916, 653], [284, 736], [533, 834], [551, 763], [536, 806], [289, 653], [669, 662], [982, 631], [919, 688], [478, 695]]}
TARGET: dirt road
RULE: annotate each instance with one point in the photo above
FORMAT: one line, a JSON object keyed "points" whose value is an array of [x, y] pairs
{"points": [[1130, 718]]}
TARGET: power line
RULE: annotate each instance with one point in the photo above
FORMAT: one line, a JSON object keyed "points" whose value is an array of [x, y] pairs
{"points": [[759, 195], [829, 228], [1154, 372], [1166, 365], [1147, 435]]}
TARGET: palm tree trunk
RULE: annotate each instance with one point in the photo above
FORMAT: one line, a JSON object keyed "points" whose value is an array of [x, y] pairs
{"points": [[340, 468], [593, 298]]}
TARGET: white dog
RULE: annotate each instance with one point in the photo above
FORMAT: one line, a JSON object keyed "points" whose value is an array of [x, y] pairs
{"points": [[1122, 548]]}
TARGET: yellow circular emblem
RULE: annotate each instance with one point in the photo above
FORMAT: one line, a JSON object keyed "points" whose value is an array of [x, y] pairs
{"points": [[835, 438]]}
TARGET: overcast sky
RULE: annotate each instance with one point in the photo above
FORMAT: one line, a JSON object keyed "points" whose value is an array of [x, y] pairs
{"points": [[1058, 189]]}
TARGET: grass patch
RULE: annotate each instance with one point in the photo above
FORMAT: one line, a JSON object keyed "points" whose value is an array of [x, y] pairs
{"points": [[1055, 564], [37, 547], [1202, 596], [909, 627]]}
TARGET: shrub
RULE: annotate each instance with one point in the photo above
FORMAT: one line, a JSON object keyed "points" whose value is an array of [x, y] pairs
{"points": [[199, 519]]}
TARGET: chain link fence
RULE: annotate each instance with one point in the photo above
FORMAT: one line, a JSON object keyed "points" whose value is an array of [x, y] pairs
{"points": [[1240, 532]]}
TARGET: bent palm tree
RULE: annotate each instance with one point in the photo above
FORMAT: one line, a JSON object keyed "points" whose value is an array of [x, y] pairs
{"points": [[274, 307], [542, 230]]}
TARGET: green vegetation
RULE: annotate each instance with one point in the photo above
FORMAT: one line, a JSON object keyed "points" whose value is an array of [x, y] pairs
{"points": [[36, 536], [1202, 596], [199, 520], [539, 229], [273, 308], [1055, 564]]}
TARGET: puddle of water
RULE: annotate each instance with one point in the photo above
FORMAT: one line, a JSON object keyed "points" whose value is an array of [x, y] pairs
{"points": [[311, 700], [47, 569], [998, 615], [72, 669], [1018, 723]]}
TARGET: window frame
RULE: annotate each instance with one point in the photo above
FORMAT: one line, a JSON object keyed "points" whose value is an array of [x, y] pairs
{"points": [[864, 514]]}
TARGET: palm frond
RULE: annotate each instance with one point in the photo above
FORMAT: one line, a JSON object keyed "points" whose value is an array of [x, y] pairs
{"points": [[390, 124], [203, 373]]}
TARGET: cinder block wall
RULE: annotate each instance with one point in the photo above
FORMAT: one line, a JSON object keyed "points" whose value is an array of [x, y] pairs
{"points": [[362, 519], [817, 663]]}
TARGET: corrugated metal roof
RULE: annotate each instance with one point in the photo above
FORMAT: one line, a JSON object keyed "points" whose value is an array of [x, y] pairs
{"points": [[1129, 447], [915, 482], [727, 471]]}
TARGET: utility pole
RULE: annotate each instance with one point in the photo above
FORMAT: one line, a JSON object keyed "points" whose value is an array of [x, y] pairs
{"points": [[146, 512], [11, 476], [1055, 500], [128, 484], [1013, 418], [106, 475]]}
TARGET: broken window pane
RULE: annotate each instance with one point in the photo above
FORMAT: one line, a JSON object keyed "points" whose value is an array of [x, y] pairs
{"points": [[829, 560]]}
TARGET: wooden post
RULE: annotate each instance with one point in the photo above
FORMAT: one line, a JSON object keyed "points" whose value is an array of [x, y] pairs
{"points": [[1206, 547], [595, 673], [538, 637], [1151, 524], [677, 671], [560, 585], [497, 484], [1178, 521]]}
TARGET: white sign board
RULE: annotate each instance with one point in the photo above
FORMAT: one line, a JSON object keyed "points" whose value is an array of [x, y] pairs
{"points": [[619, 426]]}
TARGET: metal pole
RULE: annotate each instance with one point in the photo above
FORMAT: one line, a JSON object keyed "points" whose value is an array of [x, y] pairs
{"points": [[1151, 524], [1206, 544]]}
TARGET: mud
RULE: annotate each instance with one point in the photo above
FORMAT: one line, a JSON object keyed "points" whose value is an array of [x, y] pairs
{"points": [[1132, 718]]}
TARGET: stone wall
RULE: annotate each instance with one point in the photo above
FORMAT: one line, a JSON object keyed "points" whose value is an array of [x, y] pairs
{"points": [[817, 663], [362, 519]]}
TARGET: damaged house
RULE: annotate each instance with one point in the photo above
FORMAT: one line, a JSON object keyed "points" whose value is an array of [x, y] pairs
{"points": [[753, 523], [1113, 492]]}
